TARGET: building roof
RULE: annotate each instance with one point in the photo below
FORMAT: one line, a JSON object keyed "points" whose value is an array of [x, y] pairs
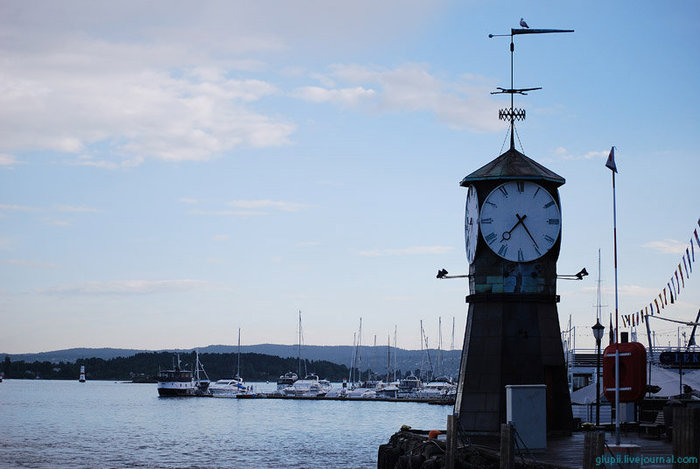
{"points": [[513, 165]]}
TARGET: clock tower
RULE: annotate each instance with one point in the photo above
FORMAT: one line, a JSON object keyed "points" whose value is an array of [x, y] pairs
{"points": [[513, 234]]}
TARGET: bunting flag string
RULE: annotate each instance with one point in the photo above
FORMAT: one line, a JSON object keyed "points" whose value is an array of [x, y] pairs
{"points": [[674, 285]]}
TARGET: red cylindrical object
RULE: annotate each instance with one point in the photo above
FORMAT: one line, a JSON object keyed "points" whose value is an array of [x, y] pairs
{"points": [[633, 371]]}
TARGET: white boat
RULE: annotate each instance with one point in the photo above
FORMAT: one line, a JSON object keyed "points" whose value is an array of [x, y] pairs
{"points": [[409, 385], [176, 382], [286, 380], [82, 374], [230, 387], [310, 386], [439, 388]]}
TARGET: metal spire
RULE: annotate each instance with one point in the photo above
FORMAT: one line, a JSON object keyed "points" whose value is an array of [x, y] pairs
{"points": [[512, 114]]}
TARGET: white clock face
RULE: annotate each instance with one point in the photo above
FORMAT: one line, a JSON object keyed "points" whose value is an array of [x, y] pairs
{"points": [[471, 223], [520, 221]]}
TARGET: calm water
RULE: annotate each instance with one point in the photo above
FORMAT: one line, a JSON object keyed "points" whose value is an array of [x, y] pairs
{"points": [[48, 424]]}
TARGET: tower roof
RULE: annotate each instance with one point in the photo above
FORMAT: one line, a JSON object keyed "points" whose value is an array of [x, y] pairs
{"points": [[513, 165]]}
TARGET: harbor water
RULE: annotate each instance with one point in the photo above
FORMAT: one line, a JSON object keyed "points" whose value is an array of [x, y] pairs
{"points": [[49, 424]]}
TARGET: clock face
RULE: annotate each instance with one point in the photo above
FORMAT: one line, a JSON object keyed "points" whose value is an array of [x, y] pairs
{"points": [[520, 221], [471, 223]]}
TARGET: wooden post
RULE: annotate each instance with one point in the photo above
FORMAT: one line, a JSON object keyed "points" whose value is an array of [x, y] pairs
{"points": [[507, 446], [686, 436], [593, 448], [451, 443]]}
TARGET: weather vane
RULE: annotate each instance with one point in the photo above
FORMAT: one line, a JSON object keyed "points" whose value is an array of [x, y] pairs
{"points": [[512, 114]]}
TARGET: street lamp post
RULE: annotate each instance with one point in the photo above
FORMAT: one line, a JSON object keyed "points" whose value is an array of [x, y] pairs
{"points": [[598, 330]]}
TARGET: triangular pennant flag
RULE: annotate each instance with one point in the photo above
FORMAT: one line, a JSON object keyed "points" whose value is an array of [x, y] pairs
{"points": [[687, 254], [662, 301], [679, 270], [692, 249], [678, 282], [643, 316], [697, 239], [611, 332], [665, 300], [686, 267], [611, 160], [651, 307], [670, 291], [657, 306]]}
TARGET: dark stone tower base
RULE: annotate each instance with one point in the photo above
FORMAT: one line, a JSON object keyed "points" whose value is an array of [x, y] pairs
{"points": [[511, 339]]}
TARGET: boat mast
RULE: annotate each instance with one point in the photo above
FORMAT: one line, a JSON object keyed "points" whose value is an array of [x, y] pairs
{"points": [[396, 350], [238, 373], [299, 346], [388, 358]]}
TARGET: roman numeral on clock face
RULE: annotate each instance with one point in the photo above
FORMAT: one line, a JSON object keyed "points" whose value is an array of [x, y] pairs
{"points": [[490, 238], [502, 251], [503, 190], [521, 186]]}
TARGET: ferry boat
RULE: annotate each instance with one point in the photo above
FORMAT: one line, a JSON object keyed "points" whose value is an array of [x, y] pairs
{"points": [[180, 382]]}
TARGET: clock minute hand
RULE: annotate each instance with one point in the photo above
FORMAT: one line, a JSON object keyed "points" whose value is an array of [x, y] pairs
{"points": [[520, 220]]}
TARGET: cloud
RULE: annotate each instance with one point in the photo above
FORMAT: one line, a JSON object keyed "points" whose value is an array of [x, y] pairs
{"points": [[8, 160], [76, 209], [415, 250], [117, 104], [461, 104], [273, 204], [126, 287], [25, 263], [564, 154], [349, 97], [667, 246], [19, 208]]}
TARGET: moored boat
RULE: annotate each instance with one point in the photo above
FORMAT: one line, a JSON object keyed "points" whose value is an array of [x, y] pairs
{"points": [[286, 380], [310, 386], [230, 387], [177, 382]]}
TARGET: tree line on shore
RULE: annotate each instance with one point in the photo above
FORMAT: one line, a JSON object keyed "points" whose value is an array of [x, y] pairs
{"points": [[144, 367]]}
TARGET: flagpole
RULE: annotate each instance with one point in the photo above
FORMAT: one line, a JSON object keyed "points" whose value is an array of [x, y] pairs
{"points": [[617, 342], [613, 168]]}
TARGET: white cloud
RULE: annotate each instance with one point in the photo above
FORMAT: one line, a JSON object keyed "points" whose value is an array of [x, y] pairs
{"points": [[564, 154], [415, 250], [273, 204], [18, 208], [25, 263], [126, 287], [76, 209], [343, 97], [462, 104], [8, 160], [95, 98], [667, 246]]}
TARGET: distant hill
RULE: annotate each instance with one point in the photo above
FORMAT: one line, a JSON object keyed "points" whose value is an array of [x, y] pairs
{"points": [[371, 357]]}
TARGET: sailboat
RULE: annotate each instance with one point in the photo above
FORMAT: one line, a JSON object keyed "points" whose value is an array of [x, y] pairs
{"points": [[230, 387], [311, 385]]}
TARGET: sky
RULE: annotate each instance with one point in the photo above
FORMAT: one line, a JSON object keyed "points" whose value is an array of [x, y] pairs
{"points": [[173, 171]]}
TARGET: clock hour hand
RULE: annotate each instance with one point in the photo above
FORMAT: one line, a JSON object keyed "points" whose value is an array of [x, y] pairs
{"points": [[520, 220]]}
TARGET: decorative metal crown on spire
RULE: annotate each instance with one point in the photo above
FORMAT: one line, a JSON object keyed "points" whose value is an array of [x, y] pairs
{"points": [[512, 114]]}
